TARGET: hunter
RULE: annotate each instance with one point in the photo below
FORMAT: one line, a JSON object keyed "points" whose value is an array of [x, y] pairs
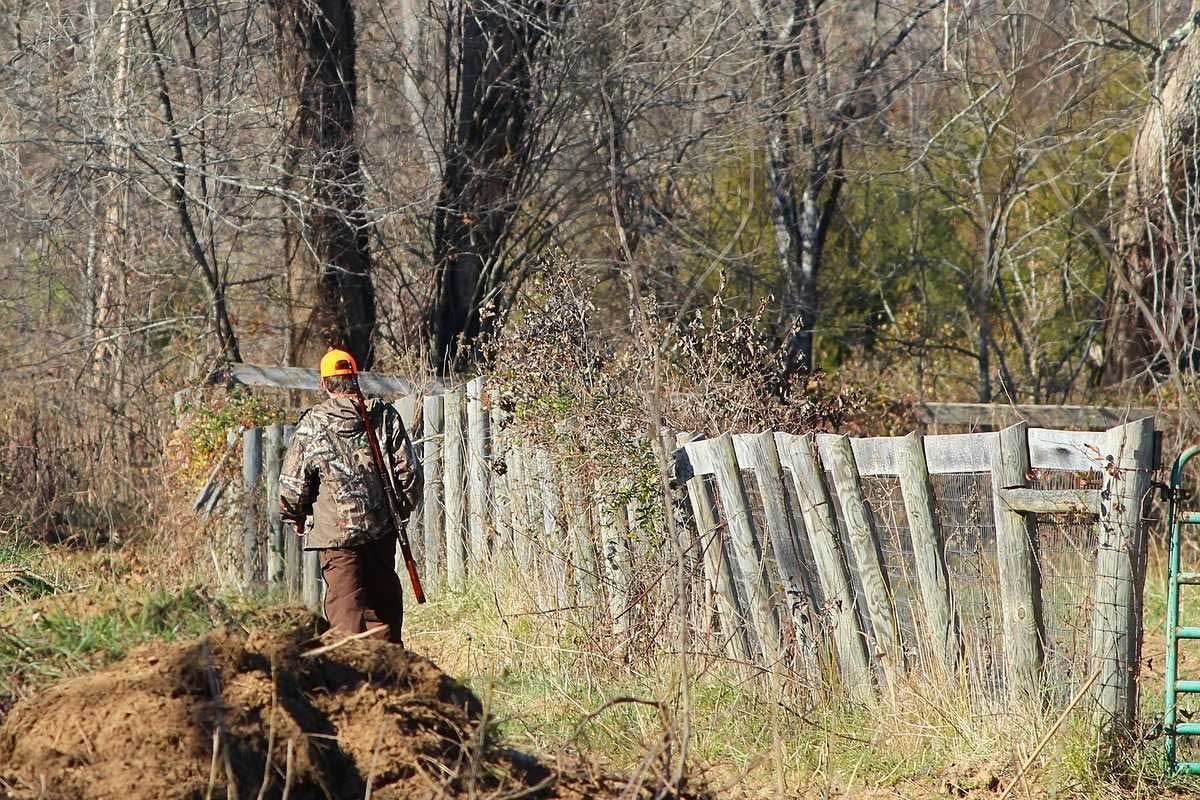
{"points": [[329, 476]]}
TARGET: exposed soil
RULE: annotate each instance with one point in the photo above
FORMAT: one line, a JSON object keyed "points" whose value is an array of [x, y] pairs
{"points": [[220, 716]]}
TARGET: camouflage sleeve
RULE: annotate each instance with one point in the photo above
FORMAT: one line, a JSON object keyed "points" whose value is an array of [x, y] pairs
{"points": [[299, 478], [406, 467]]}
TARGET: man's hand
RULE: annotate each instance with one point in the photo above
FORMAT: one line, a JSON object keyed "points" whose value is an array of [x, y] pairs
{"points": [[299, 523]]}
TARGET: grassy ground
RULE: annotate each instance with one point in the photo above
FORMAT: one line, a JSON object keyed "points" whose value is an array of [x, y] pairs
{"points": [[555, 684]]}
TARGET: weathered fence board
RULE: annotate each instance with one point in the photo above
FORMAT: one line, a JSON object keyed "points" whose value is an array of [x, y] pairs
{"points": [[272, 457], [452, 486], [523, 529], [732, 614], [252, 544], [1117, 605], [1020, 575], [614, 545], [757, 451], [292, 558], [477, 475], [799, 455], [433, 510], [501, 497], [928, 550], [865, 545], [752, 565]]}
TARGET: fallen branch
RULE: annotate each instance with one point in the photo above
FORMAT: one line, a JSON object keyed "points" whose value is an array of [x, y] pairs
{"points": [[340, 642]]}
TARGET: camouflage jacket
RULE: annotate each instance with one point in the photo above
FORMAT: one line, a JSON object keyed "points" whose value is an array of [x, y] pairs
{"points": [[329, 474]]}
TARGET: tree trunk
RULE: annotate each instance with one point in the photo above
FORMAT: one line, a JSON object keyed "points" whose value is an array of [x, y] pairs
{"points": [[1151, 319], [317, 45], [485, 153]]}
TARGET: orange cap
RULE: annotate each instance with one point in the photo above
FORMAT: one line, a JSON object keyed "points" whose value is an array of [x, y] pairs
{"points": [[337, 362]]}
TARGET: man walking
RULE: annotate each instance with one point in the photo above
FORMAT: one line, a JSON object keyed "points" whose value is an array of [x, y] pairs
{"points": [[330, 475]]}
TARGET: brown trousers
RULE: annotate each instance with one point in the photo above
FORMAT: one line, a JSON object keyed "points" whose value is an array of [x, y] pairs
{"points": [[362, 589]]}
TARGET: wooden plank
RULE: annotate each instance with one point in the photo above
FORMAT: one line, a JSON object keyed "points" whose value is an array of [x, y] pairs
{"points": [[1052, 501], [252, 545], [433, 510], [501, 495], [864, 543], [757, 452], [1020, 577], [929, 553], [799, 455], [523, 530], [453, 483], [752, 564], [616, 561], [1120, 563], [292, 543], [732, 614], [272, 465], [309, 380], [1077, 451], [311, 582], [1043, 416], [552, 557], [947, 454], [578, 510], [478, 476]]}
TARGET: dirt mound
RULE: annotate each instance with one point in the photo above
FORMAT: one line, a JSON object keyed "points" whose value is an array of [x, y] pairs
{"points": [[221, 716]]}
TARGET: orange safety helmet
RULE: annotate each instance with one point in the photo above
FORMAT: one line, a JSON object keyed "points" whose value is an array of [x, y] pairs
{"points": [[338, 362]]}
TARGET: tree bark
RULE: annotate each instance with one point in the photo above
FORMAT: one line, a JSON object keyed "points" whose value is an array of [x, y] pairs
{"points": [[317, 47], [1151, 322], [485, 154]]}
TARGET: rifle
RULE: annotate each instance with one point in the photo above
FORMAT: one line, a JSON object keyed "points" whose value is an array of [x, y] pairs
{"points": [[389, 492]]}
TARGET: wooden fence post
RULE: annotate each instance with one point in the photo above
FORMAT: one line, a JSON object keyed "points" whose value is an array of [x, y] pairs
{"points": [[523, 529], [1020, 576], [252, 550], [501, 493], [292, 559], [614, 545], [746, 546], [799, 454], [433, 509], [864, 542], [477, 474], [452, 486], [928, 550], [272, 462], [579, 531], [312, 590], [554, 557], [1117, 605], [718, 567], [757, 451]]}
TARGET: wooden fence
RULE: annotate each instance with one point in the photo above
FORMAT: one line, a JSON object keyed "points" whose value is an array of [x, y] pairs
{"points": [[799, 558]]}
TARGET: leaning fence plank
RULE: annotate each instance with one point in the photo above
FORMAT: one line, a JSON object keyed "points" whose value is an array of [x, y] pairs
{"points": [[752, 563], [452, 486], [272, 462], [1017, 567], [433, 509], [928, 550], [1117, 607], [291, 543], [757, 451], [799, 454], [477, 474], [864, 543], [718, 567], [252, 549]]}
